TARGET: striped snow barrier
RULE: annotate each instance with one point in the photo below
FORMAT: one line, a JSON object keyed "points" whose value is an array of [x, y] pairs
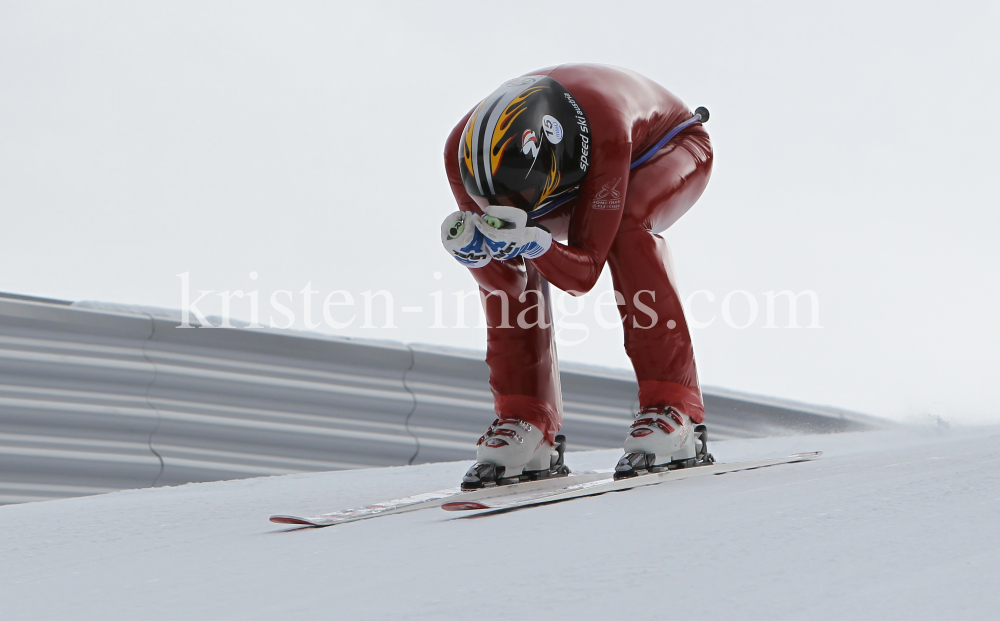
{"points": [[94, 400]]}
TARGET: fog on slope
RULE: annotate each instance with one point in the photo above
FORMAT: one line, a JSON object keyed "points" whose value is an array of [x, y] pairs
{"points": [[301, 142]]}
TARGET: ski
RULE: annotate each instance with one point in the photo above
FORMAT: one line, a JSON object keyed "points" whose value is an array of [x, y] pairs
{"points": [[436, 499], [580, 489]]}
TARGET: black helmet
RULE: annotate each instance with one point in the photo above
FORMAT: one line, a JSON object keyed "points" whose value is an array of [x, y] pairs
{"points": [[527, 143]]}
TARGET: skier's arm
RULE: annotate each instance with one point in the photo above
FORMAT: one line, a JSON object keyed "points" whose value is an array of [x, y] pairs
{"points": [[575, 267], [465, 202], [506, 276]]}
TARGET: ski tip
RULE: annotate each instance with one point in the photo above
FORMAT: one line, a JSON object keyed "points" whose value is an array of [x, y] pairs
{"points": [[287, 519], [463, 506], [812, 455]]}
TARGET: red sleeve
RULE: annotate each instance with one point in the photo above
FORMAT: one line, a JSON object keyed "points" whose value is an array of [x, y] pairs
{"points": [[465, 202], [575, 267], [507, 276]]}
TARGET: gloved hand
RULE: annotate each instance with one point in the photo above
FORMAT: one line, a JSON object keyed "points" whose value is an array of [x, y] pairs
{"points": [[461, 237], [508, 234]]}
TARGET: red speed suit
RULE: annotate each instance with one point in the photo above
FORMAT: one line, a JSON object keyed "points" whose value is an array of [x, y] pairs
{"points": [[628, 115]]}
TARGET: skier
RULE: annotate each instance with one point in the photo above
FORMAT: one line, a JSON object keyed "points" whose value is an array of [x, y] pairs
{"points": [[556, 173]]}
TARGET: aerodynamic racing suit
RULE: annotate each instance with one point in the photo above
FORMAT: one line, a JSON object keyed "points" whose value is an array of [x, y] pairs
{"points": [[631, 187]]}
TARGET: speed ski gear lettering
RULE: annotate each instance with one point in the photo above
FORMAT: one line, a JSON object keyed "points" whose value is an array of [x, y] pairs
{"points": [[581, 121]]}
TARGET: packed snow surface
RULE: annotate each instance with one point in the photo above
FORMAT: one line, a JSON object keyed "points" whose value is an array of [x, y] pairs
{"points": [[900, 524]]}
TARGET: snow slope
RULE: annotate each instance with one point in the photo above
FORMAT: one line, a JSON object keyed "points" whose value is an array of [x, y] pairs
{"points": [[901, 524]]}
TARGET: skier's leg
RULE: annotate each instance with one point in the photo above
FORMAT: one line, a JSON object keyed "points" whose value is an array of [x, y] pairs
{"points": [[656, 333], [524, 376], [521, 354]]}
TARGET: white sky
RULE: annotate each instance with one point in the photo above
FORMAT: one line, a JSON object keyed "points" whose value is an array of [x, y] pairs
{"points": [[856, 145]]}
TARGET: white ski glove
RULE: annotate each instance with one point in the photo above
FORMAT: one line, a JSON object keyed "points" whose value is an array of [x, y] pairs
{"points": [[508, 234], [461, 237]]}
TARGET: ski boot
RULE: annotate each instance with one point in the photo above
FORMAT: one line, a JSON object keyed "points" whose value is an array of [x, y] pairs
{"points": [[512, 451], [663, 438]]}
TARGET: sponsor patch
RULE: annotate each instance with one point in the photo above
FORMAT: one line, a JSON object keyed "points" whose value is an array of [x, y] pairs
{"points": [[609, 197], [553, 129]]}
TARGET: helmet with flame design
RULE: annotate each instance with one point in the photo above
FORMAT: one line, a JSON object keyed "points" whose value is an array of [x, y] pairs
{"points": [[525, 145]]}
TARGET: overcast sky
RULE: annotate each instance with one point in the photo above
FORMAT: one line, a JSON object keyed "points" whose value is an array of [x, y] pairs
{"points": [[856, 154]]}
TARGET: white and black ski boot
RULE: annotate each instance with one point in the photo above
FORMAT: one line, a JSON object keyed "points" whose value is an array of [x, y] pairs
{"points": [[512, 451], [663, 438]]}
